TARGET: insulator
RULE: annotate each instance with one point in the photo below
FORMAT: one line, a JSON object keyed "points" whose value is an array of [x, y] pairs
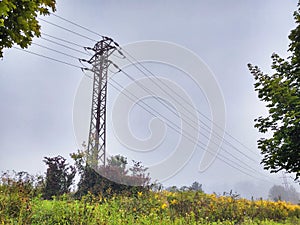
{"points": [[116, 66], [120, 53], [107, 38], [84, 68], [88, 48]]}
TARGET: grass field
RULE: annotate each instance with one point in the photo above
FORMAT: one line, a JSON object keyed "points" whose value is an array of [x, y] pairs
{"points": [[17, 207]]}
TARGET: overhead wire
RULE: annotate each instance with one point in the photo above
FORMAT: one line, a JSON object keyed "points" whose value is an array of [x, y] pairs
{"points": [[223, 139], [179, 96], [206, 117], [63, 28], [186, 117], [174, 112], [61, 39], [53, 50], [176, 128], [50, 58], [76, 24], [127, 58], [65, 46], [189, 137]]}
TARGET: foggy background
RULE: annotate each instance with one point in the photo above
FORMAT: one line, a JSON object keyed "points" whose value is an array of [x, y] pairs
{"points": [[37, 94]]}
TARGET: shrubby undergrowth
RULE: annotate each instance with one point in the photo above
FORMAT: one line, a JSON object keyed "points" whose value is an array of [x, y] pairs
{"points": [[21, 202]]}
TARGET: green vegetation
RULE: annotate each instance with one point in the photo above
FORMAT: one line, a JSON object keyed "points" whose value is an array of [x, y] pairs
{"points": [[281, 93], [113, 178], [21, 202], [18, 21], [27, 199], [59, 177]]}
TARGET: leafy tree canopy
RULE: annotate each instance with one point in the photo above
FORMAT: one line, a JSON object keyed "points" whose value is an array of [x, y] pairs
{"points": [[113, 178], [281, 92], [59, 176], [18, 21]]}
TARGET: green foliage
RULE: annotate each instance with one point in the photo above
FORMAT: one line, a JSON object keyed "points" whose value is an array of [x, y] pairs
{"points": [[116, 170], [21, 203], [16, 192], [59, 177], [139, 175], [163, 207], [18, 21], [196, 187], [282, 94], [113, 178]]}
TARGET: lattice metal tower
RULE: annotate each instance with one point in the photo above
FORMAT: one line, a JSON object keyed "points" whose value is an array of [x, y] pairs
{"points": [[97, 134], [285, 181]]}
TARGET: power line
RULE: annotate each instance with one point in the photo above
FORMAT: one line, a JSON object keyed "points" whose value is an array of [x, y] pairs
{"points": [[217, 135], [181, 98], [50, 58], [63, 28], [53, 50], [142, 66], [56, 60], [166, 86], [82, 27], [176, 130], [172, 110], [65, 46], [63, 40]]}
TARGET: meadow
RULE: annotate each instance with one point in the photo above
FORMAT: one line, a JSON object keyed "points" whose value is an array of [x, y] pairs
{"points": [[19, 205]]}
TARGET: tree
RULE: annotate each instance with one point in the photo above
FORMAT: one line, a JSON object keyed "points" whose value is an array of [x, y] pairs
{"points": [[115, 170], [196, 186], [113, 178], [139, 177], [90, 180], [277, 193], [173, 188], [22, 183], [280, 193], [281, 92], [184, 188], [18, 21], [59, 177]]}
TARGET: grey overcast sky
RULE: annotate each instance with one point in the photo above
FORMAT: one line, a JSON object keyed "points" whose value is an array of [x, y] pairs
{"points": [[37, 94]]}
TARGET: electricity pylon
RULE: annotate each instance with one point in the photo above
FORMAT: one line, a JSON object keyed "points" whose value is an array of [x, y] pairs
{"points": [[285, 181], [97, 135]]}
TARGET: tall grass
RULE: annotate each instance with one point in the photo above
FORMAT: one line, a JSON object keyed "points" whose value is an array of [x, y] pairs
{"points": [[20, 207]]}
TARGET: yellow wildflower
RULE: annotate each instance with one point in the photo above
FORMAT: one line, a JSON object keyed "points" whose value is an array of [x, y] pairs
{"points": [[173, 202], [164, 205], [140, 193]]}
